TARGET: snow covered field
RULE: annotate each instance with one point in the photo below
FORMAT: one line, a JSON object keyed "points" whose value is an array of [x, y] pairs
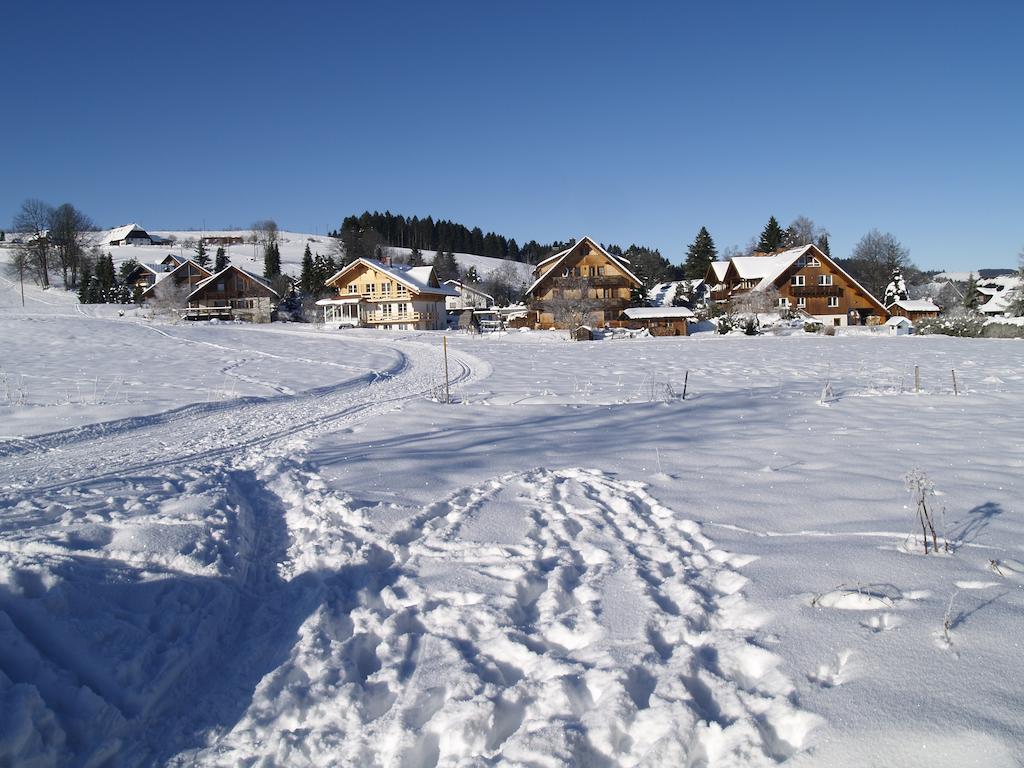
{"points": [[250, 545]]}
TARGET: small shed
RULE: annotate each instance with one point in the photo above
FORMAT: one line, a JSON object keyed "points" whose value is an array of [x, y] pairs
{"points": [[913, 309], [660, 321], [583, 333], [899, 326]]}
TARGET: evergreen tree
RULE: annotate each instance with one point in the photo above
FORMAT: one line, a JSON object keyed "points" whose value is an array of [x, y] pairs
{"points": [[271, 261], [85, 281], [221, 261], [972, 296], [126, 268], [471, 276], [699, 255], [896, 290], [308, 277], [823, 245], [105, 278], [415, 257], [773, 237], [202, 257]]}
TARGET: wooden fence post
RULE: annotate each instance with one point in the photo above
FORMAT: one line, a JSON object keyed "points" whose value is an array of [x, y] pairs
{"points": [[447, 391], [917, 379], [686, 380], [955, 390]]}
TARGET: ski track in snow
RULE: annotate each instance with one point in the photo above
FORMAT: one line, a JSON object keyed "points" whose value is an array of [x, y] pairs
{"points": [[608, 631]]}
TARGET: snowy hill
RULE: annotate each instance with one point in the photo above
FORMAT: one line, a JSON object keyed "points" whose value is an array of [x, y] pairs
{"points": [[292, 245]]}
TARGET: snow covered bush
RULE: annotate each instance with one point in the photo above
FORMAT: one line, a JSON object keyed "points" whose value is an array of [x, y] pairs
{"points": [[750, 325], [813, 327], [968, 325], [725, 323], [998, 330]]}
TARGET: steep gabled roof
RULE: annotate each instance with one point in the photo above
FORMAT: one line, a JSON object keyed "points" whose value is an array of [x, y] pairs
{"points": [[459, 286], [417, 279], [561, 256], [120, 233], [232, 268], [161, 276], [719, 268]]}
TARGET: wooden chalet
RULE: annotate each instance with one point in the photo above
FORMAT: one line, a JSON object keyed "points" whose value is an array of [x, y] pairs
{"points": [[913, 309], [582, 267], [232, 294], [387, 296], [180, 279], [807, 281], [145, 275]]}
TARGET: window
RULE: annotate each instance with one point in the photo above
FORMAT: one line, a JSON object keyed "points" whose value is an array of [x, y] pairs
{"points": [[783, 302], [353, 288], [220, 287], [600, 271], [609, 293], [814, 262], [592, 271], [371, 288], [801, 302], [833, 301], [385, 289], [401, 290], [824, 279], [798, 280]]}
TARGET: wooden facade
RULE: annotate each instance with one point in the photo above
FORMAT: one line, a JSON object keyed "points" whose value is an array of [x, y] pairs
{"points": [[806, 280], [182, 278], [913, 309], [232, 294], [583, 268], [379, 295]]}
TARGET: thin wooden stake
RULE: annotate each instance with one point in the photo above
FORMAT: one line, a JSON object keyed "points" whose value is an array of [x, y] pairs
{"points": [[447, 391], [917, 379], [955, 390], [686, 379]]}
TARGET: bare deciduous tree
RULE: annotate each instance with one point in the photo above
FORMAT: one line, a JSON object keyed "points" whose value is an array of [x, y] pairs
{"points": [[803, 231], [33, 254], [266, 231], [874, 258], [68, 235], [572, 301]]}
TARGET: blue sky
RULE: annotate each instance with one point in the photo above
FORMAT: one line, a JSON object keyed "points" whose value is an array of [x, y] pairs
{"points": [[629, 122]]}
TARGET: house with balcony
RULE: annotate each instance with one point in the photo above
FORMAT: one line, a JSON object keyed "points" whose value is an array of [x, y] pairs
{"points": [[581, 285], [803, 280], [387, 296], [231, 294]]}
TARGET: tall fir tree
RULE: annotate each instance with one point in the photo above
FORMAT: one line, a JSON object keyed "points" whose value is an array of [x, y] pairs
{"points": [[202, 256], [823, 245], [773, 237], [415, 257], [699, 255], [896, 290], [308, 276], [271, 261], [84, 282], [972, 296], [220, 262]]}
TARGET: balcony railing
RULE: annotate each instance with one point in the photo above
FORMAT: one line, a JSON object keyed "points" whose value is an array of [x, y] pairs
{"points": [[816, 290], [391, 317]]}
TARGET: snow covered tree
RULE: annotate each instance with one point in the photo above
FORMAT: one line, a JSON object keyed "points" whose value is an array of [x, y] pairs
{"points": [[683, 296], [896, 290], [202, 257], [220, 262], [1017, 305], [471, 276], [699, 255], [84, 282], [105, 278], [773, 237], [972, 296], [415, 257]]}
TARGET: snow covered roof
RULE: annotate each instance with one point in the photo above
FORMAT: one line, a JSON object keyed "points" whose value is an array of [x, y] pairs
{"points": [[415, 278], [562, 255], [898, 321], [338, 302], [231, 268], [720, 268], [915, 305], [647, 313], [120, 233], [457, 286], [161, 276]]}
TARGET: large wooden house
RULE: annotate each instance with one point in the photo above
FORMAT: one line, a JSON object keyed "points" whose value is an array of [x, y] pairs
{"points": [[583, 275], [174, 284], [231, 294], [387, 296], [803, 280]]}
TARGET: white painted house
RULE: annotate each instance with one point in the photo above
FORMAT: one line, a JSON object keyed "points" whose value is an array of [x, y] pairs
{"points": [[467, 297]]}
